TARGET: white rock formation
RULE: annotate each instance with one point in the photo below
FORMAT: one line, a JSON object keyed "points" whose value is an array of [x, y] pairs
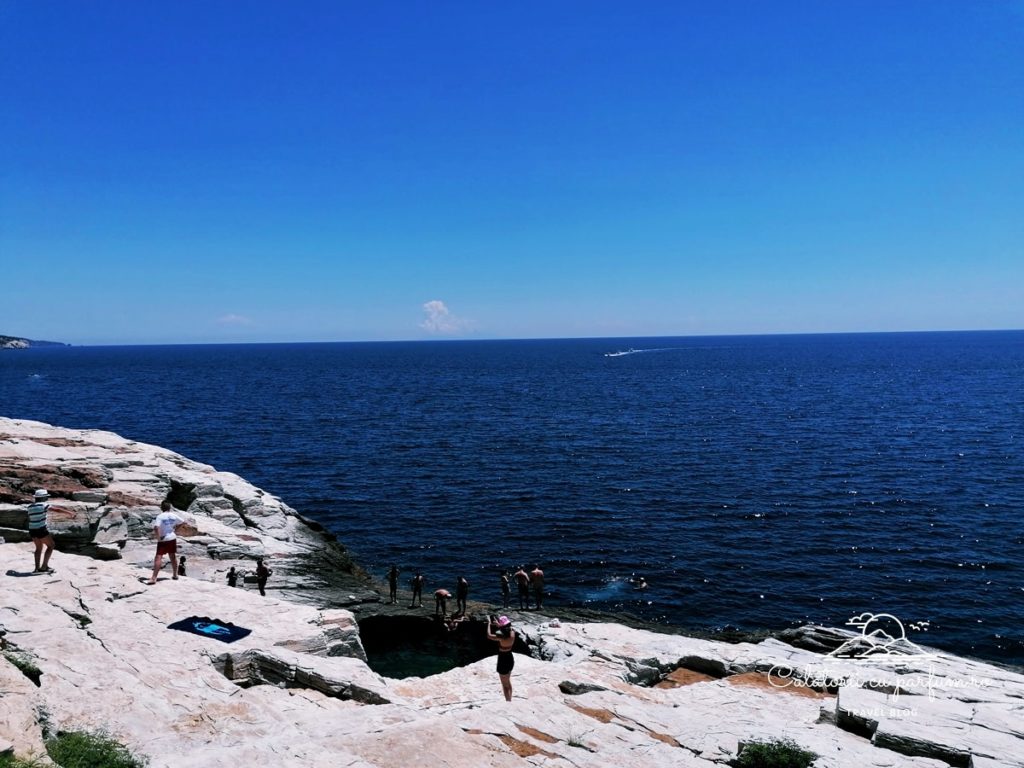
{"points": [[296, 691], [106, 490]]}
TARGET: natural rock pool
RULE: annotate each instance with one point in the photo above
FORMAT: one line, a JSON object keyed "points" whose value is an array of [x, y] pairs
{"points": [[420, 646]]}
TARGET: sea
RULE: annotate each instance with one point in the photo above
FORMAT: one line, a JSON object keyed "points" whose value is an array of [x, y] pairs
{"points": [[709, 483]]}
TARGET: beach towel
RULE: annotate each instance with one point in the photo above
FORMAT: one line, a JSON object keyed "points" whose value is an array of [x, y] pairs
{"points": [[224, 631]]}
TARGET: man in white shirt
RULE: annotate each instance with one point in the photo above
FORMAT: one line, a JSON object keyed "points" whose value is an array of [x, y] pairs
{"points": [[165, 526]]}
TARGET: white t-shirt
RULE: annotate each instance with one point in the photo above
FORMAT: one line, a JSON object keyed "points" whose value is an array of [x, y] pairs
{"points": [[164, 524]]}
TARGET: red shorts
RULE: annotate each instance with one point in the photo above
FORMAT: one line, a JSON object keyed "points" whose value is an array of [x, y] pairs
{"points": [[167, 547]]}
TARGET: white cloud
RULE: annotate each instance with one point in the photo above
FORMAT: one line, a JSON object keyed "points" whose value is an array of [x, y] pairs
{"points": [[233, 319], [439, 319]]}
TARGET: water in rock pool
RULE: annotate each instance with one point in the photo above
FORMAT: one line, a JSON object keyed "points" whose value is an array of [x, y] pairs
{"points": [[751, 482]]}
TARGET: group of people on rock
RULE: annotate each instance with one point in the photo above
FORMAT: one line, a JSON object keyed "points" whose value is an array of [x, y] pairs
{"points": [[167, 523], [527, 583], [165, 528], [499, 628], [262, 573]]}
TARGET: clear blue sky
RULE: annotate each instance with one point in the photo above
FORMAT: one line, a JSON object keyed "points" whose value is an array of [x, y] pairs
{"points": [[219, 171]]}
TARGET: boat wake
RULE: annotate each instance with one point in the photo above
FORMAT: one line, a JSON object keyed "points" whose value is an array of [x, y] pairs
{"points": [[632, 351]]}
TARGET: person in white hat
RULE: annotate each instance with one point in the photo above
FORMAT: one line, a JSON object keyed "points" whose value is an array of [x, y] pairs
{"points": [[38, 532]]}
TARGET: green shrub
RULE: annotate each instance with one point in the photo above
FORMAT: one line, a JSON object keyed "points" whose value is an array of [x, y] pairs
{"points": [[10, 761], [80, 749], [774, 754]]}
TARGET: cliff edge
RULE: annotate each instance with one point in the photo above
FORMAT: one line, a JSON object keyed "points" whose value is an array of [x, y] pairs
{"points": [[91, 647]]}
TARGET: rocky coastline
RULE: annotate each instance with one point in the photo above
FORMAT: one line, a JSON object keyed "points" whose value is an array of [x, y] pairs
{"points": [[16, 342], [299, 691]]}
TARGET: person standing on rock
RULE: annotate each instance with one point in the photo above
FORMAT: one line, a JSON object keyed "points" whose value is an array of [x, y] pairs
{"points": [[506, 591], [500, 631], [523, 584], [232, 577], [262, 574], [537, 585], [165, 527], [417, 589], [461, 593], [37, 530], [393, 584]]}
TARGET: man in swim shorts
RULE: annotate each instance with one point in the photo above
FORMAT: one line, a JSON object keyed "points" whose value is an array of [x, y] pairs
{"points": [[441, 602], [165, 527], [537, 585], [393, 585], [417, 589], [523, 584]]}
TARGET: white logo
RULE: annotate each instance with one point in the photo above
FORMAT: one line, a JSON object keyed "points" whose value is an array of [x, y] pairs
{"points": [[882, 639]]}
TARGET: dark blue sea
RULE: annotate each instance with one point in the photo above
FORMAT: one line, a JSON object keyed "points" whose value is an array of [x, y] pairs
{"points": [[753, 482]]}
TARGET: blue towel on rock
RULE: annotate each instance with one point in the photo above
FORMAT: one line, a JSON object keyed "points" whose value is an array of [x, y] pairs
{"points": [[224, 631]]}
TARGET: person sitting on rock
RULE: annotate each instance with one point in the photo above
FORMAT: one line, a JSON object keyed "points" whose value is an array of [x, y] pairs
{"points": [[232, 577], [461, 593], [441, 602], [165, 527], [37, 530]]}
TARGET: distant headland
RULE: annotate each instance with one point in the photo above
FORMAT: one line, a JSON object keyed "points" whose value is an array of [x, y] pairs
{"points": [[16, 342]]}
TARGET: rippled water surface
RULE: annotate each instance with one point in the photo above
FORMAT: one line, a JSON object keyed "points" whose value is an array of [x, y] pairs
{"points": [[752, 481]]}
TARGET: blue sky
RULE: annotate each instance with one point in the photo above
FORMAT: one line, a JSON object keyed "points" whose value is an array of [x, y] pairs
{"points": [[205, 172]]}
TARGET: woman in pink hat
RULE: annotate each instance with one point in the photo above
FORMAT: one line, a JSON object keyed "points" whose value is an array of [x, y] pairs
{"points": [[500, 631]]}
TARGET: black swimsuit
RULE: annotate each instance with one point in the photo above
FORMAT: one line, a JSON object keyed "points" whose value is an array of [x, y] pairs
{"points": [[505, 662]]}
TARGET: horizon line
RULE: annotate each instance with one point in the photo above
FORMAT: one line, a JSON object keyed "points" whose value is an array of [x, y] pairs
{"points": [[463, 339]]}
